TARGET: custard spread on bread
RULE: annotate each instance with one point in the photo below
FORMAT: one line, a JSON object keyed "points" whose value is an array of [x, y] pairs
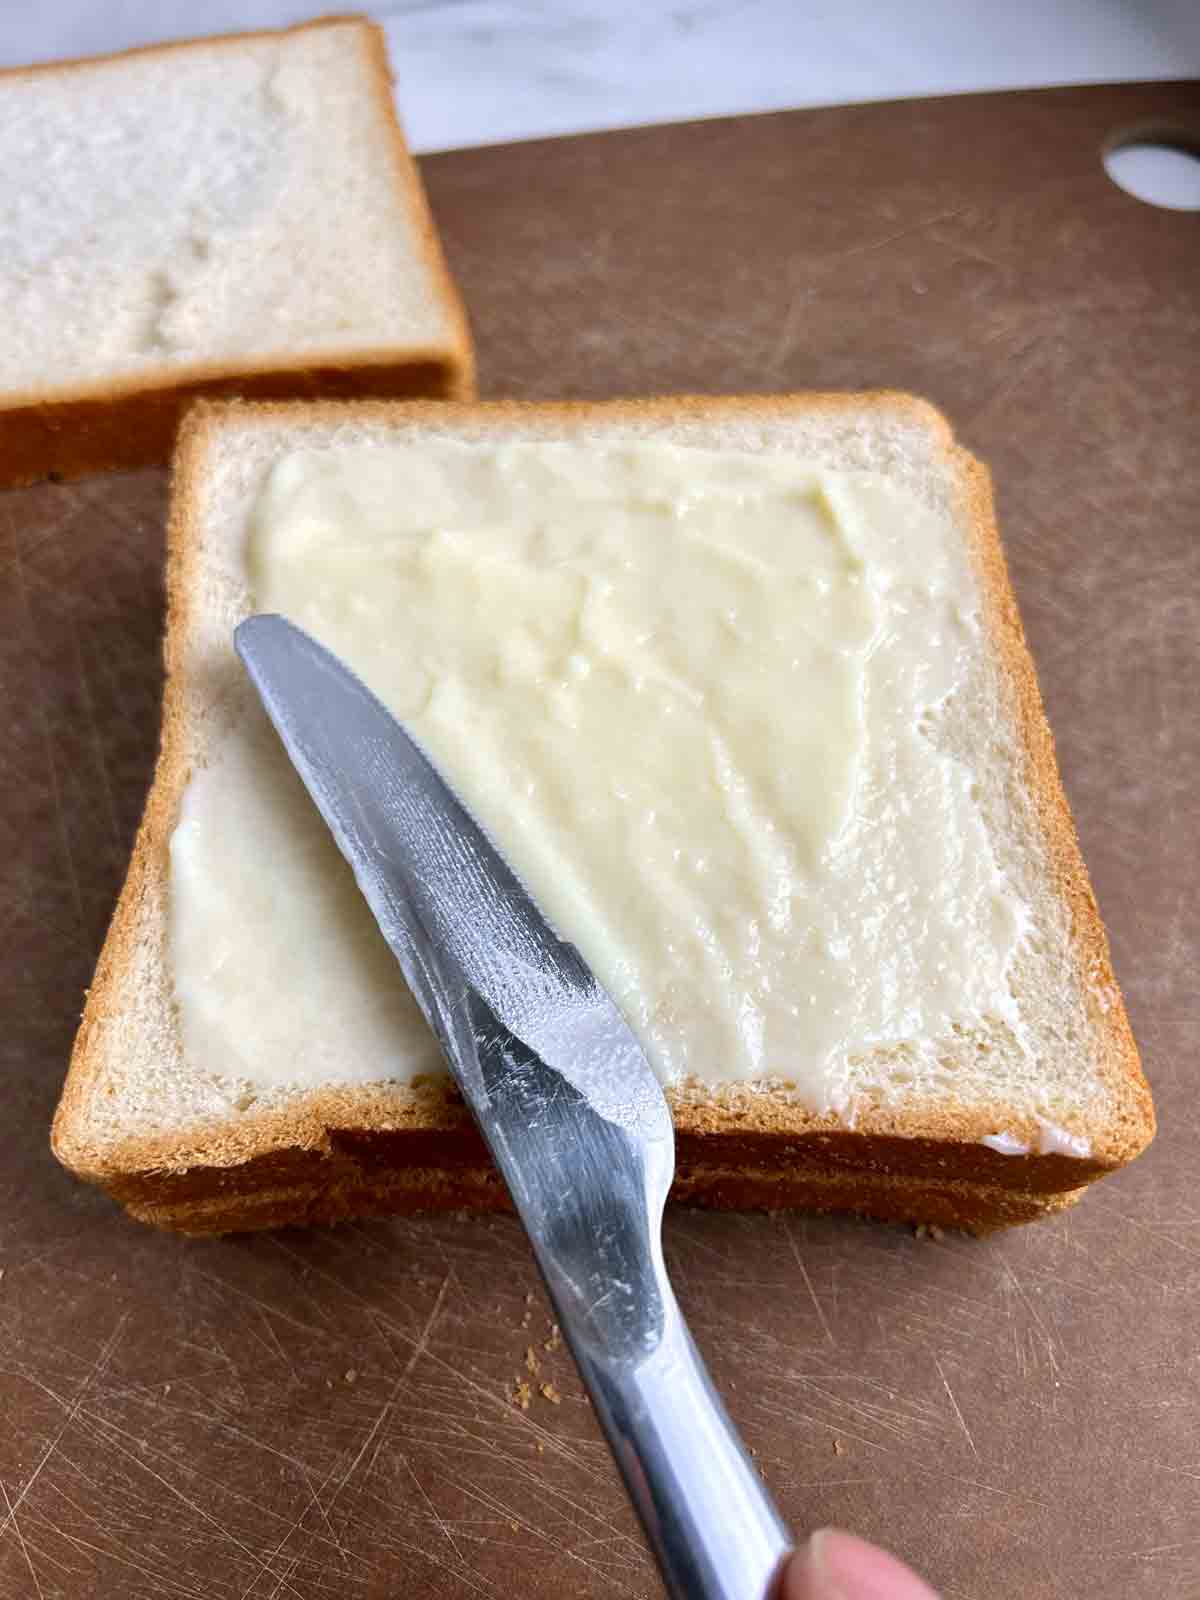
{"points": [[694, 697]]}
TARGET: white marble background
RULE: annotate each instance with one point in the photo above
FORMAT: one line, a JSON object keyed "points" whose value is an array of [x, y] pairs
{"points": [[481, 71], [475, 72]]}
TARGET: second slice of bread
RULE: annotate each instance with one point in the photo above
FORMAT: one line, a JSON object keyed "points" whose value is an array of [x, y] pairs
{"points": [[161, 1135], [236, 215]]}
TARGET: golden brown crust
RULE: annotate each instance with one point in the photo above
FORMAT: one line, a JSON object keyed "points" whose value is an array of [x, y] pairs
{"points": [[417, 1189], [119, 427], [446, 1138], [416, 201], [1131, 1123], [38, 69], [131, 421], [311, 1142]]}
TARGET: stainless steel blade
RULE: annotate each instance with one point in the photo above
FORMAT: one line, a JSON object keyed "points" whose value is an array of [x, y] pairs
{"points": [[563, 1094]]}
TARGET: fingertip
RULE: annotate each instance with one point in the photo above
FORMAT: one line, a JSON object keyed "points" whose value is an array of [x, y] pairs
{"points": [[839, 1566]]}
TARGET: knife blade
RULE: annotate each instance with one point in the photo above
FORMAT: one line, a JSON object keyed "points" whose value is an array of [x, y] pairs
{"points": [[564, 1096]]}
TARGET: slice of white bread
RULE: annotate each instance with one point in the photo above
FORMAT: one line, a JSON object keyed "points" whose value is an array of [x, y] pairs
{"points": [[167, 1136], [236, 215]]}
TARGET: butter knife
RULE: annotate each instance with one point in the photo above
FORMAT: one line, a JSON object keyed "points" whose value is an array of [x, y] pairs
{"points": [[565, 1098]]}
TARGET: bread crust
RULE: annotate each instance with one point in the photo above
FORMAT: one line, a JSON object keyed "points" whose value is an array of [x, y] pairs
{"points": [[132, 421], [424, 1190], [359, 1141]]}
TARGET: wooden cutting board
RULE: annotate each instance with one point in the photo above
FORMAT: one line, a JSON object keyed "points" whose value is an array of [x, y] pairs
{"points": [[328, 1413]]}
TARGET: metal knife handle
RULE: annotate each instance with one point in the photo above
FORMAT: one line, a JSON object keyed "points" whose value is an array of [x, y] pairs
{"points": [[711, 1522], [592, 1197]]}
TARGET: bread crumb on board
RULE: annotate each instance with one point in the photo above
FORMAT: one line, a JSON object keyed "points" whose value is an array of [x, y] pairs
{"points": [[554, 1342], [549, 1392], [839, 1449], [351, 1376], [531, 1360], [521, 1394]]}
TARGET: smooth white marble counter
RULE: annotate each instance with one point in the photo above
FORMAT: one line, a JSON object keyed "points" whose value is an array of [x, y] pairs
{"points": [[482, 71]]}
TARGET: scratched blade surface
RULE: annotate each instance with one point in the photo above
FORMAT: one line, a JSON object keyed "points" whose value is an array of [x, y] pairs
{"points": [[557, 1080]]}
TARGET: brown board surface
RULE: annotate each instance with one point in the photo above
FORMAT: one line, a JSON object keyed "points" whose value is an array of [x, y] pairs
{"points": [[328, 1413]]}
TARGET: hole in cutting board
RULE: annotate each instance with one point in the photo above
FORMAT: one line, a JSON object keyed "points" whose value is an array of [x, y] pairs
{"points": [[1161, 168]]}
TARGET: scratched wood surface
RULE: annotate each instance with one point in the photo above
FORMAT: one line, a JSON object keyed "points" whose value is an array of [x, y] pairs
{"points": [[328, 1413]]}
